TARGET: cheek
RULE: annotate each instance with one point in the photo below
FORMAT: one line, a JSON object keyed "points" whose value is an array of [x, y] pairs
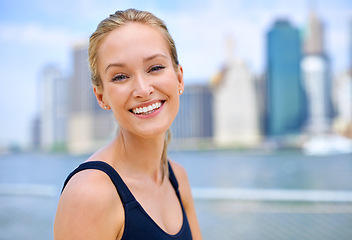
{"points": [[171, 84], [173, 94], [116, 97]]}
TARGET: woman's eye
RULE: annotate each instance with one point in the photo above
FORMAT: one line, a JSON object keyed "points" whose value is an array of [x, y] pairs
{"points": [[156, 68], [119, 77]]}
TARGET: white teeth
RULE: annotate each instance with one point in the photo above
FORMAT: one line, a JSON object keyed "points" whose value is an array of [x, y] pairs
{"points": [[144, 110]]}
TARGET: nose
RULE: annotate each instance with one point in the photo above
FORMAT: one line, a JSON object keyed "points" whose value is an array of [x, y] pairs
{"points": [[142, 88]]}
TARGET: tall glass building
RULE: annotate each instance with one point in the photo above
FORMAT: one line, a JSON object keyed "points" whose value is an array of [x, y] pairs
{"points": [[285, 97]]}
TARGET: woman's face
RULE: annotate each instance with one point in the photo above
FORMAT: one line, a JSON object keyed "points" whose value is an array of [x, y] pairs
{"points": [[140, 83]]}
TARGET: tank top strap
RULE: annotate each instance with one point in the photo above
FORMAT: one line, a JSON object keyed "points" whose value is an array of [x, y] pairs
{"points": [[123, 191], [173, 180]]}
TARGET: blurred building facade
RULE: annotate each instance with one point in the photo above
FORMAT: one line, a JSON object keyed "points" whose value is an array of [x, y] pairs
{"points": [[236, 109], [193, 125], [285, 111], [36, 134], [316, 77], [89, 126], [53, 99], [342, 96]]}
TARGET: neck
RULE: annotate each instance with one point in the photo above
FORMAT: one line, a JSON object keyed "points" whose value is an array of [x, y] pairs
{"points": [[141, 156]]}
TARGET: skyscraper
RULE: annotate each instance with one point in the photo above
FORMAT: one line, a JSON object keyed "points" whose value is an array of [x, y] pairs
{"points": [[285, 97], [193, 125], [314, 39], [89, 126], [342, 96], [35, 134], [316, 78], [343, 102], [53, 109], [236, 110]]}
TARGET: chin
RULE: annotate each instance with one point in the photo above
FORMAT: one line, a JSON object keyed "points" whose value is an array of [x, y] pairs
{"points": [[152, 132], [150, 129], [145, 131]]}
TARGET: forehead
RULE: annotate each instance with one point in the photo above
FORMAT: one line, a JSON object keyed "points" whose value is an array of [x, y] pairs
{"points": [[132, 40]]}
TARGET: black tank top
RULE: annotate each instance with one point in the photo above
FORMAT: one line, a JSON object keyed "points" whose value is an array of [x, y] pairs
{"points": [[138, 224]]}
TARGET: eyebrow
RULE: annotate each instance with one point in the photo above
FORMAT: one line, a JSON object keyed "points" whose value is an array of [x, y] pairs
{"points": [[153, 57], [114, 65], [147, 59]]}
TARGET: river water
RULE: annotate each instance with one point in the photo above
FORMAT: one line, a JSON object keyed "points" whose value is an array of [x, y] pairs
{"points": [[238, 195]]}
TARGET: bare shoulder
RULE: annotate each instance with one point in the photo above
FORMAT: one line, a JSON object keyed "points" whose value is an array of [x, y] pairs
{"points": [[89, 185], [89, 208]]}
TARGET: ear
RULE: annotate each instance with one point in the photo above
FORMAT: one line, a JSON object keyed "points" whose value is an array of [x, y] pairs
{"points": [[98, 91], [180, 78]]}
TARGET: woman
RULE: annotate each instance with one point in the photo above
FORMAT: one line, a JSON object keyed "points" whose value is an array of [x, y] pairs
{"points": [[129, 189]]}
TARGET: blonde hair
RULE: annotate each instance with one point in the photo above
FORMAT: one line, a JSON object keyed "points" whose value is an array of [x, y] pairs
{"points": [[114, 21]]}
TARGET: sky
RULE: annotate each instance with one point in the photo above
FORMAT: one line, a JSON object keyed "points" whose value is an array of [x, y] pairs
{"points": [[35, 33]]}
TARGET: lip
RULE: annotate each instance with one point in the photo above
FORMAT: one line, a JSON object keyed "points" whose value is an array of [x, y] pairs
{"points": [[153, 114]]}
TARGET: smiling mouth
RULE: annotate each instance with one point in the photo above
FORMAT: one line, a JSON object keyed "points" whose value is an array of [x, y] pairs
{"points": [[147, 109]]}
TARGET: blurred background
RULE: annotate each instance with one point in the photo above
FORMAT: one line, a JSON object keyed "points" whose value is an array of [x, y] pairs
{"points": [[265, 122]]}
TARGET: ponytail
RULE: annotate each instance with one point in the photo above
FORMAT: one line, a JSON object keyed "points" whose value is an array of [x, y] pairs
{"points": [[164, 159]]}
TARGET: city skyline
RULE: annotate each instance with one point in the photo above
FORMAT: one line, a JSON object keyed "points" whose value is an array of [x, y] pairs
{"points": [[37, 36]]}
